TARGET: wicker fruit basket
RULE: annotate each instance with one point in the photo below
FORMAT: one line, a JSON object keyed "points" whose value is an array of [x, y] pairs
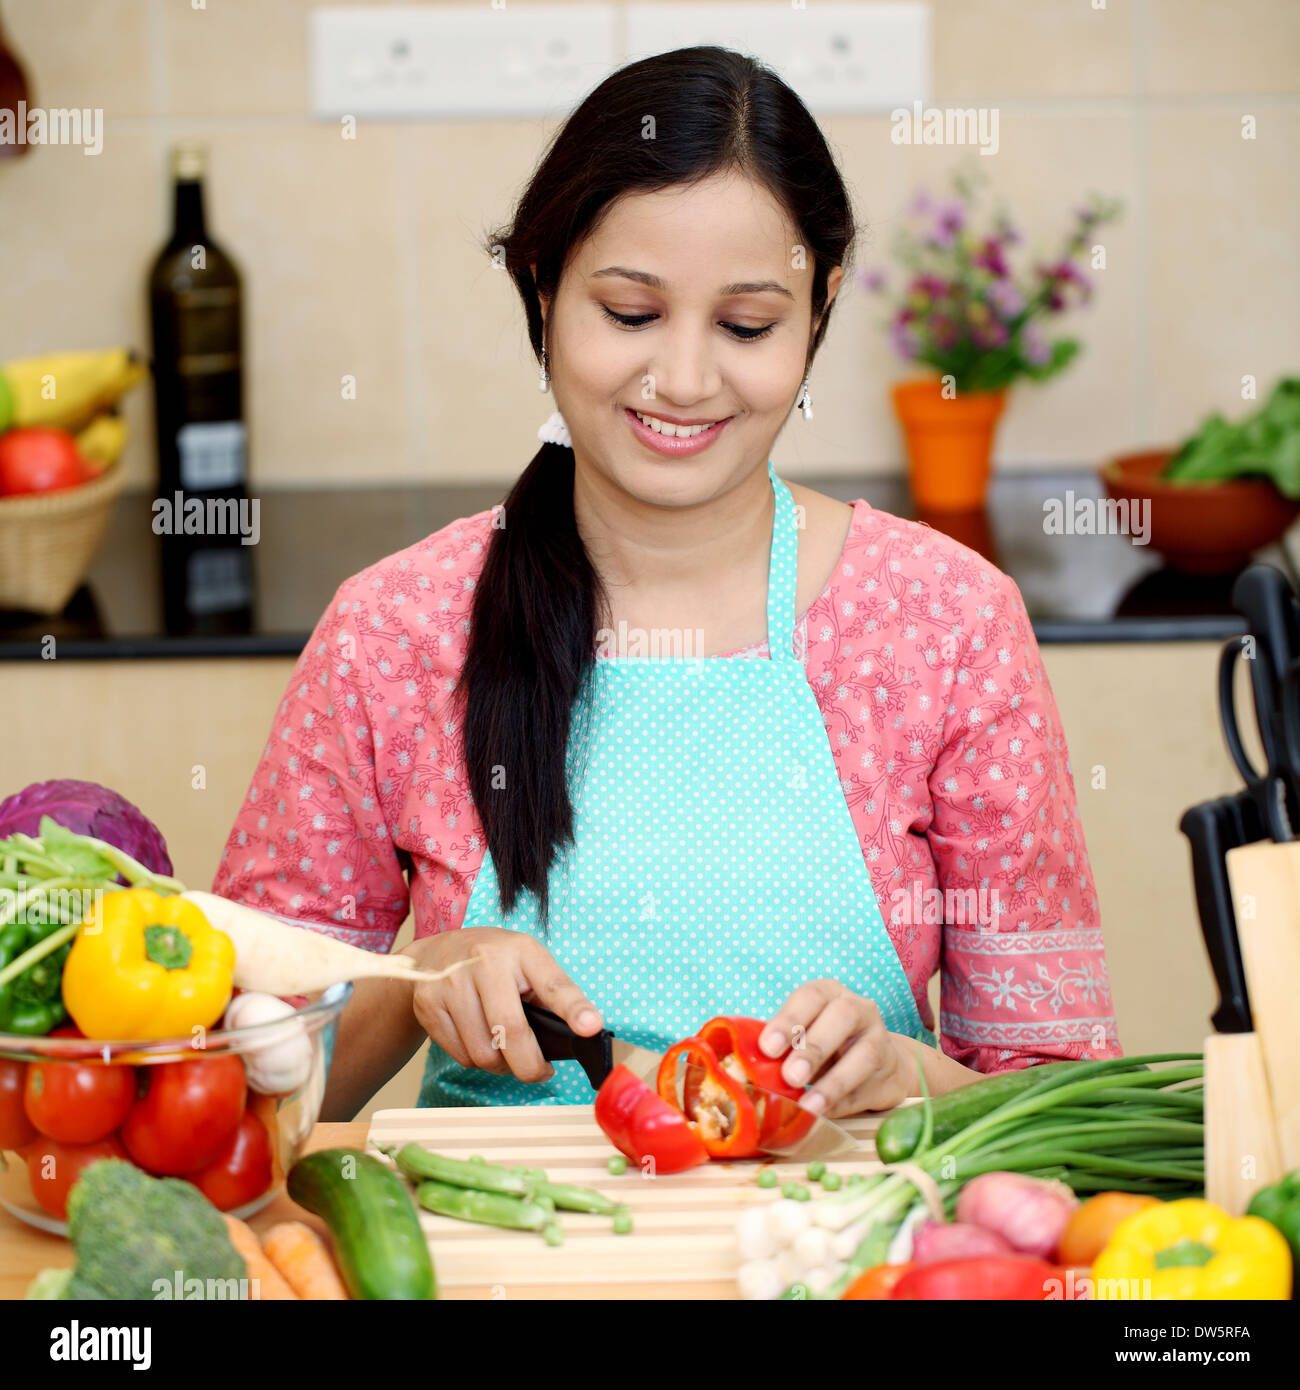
{"points": [[48, 541]]}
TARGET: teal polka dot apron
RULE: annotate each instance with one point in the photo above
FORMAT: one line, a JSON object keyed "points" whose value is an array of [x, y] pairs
{"points": [[716, 867]]}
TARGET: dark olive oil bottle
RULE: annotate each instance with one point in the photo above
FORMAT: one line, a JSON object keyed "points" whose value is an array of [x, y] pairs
{"points": [[196, 317]]}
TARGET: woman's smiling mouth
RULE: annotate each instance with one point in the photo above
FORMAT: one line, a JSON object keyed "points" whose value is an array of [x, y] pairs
{"points": [[673, 437]]}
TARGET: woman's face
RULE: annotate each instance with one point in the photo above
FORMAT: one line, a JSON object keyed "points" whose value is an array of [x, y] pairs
{"points": [[692, 304]]}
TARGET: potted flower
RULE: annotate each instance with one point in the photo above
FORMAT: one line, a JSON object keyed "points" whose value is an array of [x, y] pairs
{"points": [[963, 310]]}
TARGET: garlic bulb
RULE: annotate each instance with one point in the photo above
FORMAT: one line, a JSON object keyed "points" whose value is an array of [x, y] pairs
{"points": [[274, 1068]]}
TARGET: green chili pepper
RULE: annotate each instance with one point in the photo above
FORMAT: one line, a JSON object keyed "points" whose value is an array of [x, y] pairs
{"points": [[32, 1004]]}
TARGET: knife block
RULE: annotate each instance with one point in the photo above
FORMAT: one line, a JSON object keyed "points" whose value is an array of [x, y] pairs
{"points": [[1265, 881], [1238, 1122]]}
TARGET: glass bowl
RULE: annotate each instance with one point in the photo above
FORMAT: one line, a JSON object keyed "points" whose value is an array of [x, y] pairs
{"points": [[288, 1116]]}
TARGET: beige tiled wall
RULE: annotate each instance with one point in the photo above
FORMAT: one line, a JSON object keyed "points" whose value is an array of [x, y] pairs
{"points": [[362, 257]]}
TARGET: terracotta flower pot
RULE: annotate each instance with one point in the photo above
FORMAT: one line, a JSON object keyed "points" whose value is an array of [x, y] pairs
{"points": [[949, 443], [1201, 528]]}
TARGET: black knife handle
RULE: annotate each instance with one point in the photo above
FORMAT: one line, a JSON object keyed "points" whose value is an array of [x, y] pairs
{"points": [[560, 1043], [1214, 827]]}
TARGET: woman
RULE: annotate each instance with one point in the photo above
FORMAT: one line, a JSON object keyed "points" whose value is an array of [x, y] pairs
{"points": [[856, 710]]}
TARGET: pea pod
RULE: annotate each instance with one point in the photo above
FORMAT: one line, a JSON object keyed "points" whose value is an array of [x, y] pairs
{"points": [[487, 1208], [419, 1164]]}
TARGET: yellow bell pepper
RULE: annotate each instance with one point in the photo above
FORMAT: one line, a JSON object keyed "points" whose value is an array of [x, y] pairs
{"points": [[1192, 1249], [147, 965]]}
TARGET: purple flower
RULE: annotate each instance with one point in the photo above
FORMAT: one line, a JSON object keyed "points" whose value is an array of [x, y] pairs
{"points": [[1006, 300], [931, 285], [990, 257], [944, 332], [992, 334], [920, 206], [951, 218], [1035, 348], [872, 280], [904, 338]]}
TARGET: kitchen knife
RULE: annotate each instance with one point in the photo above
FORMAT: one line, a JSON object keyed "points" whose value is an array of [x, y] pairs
{"points": [[1239, 1115], [807, 1135]]}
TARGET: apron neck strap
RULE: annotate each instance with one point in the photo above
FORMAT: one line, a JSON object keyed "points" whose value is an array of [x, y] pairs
{"points": [[782, 571]]}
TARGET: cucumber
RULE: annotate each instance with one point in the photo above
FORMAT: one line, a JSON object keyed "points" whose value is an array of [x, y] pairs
{"points": [[900, 1131], [380, 1248]]}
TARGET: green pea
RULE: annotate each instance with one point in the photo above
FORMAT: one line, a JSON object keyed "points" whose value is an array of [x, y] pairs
{"points": [[617, 1164], [831, 1182], [801, 1193], [767, 1178], [815, 1169], [622, 1223]]}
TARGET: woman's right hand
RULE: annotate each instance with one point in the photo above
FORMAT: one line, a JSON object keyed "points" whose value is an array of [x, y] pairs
{"points": [[476, 1015]]}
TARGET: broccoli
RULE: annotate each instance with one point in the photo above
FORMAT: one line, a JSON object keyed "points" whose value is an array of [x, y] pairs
{"points": [[130, 1231]]}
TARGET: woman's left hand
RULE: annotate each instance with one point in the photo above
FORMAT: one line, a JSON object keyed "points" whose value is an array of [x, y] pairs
{"points": [[837, 1040]]}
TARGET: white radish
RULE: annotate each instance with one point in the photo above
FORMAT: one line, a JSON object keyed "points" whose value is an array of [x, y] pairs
{"points": [[760, 1279], [754, 1236], [813, 1246], [786, 1218], [274, 958], [279, 1067]]}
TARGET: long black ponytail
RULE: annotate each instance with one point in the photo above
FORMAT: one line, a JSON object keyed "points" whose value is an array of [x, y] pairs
{"points": [[539, 601]]}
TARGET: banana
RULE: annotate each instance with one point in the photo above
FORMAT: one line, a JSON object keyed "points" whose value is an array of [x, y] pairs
{"points": [[66, 390], [101, 443]]}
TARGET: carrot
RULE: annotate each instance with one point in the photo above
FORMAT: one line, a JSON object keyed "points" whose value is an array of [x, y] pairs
{"points": [[263, 1276], [300, 1255]]}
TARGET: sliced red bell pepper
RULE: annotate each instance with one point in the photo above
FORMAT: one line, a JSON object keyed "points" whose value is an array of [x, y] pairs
{"points": [[1022, 1278], [738, 1038], [716, 1104], [726, 1064], [641, 1125]]}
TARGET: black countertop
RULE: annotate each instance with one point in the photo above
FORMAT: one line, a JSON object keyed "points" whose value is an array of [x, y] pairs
{"points": [[1077, 588]]}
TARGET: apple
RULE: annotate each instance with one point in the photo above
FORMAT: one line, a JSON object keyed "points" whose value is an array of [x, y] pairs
{"points": [[39, 459]]}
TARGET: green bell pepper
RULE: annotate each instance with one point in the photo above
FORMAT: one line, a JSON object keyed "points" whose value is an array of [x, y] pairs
{"points": [[1279, 1205], [31, 1004]]}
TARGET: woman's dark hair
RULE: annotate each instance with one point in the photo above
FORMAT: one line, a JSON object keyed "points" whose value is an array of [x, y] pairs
{"points": [[539, 601]]}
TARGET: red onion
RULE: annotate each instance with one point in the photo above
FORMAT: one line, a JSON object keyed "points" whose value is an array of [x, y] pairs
{"points": [[1029, 1213], [954, 1240]]}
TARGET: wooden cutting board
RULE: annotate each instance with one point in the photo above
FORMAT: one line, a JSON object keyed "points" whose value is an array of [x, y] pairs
{"points": [[683, 1224]]}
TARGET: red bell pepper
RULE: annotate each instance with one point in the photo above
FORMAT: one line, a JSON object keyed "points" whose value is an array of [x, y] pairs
{"points": [[724, 1066], [1022, 1278], [641, 1125]]}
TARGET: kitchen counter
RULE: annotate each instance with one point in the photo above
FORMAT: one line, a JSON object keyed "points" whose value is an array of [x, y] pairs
{"points": [[1076, 588], [24, 1250]]}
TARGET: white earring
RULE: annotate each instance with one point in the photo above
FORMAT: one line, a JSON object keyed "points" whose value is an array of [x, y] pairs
{"points": [[543, 379], [805, 400]]}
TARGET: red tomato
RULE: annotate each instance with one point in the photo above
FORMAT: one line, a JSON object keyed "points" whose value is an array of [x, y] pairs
{"points": [[15, 1128], [241, 1171], [1015, 1277], [53, 1167], [187, 1116], [878, 1282], [38, 459], [77, 1102]]}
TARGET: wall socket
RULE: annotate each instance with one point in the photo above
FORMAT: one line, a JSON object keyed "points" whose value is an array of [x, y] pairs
{"points": [[477, 62]]}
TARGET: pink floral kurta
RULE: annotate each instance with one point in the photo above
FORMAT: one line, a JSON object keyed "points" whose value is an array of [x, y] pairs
{"points": [[938, 711]]}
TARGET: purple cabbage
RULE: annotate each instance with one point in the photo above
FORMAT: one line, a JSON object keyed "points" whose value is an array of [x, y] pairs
{"points": [[86, 808]]}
